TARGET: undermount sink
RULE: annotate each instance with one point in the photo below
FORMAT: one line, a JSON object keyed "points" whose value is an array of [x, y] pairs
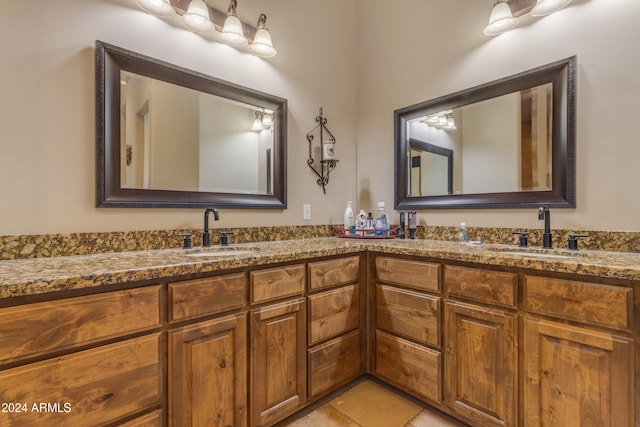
{"points": [[219, 252], [537, 252]]}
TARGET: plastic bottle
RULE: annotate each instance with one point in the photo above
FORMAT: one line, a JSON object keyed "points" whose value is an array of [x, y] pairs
{"points": [[463, 237], [349, 220], [382, 221], [369, 230]]}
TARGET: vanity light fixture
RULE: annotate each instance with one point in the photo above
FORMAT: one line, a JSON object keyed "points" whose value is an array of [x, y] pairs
{"points": [[546, 7], [161, 8], [442, 120], [267, 120], [232, 33], [197, 17], [501, 19], [202, 18], [262, 45], [257, 122]]}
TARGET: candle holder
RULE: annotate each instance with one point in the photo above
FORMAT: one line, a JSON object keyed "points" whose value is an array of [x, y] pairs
{"points": [[324, 150]]}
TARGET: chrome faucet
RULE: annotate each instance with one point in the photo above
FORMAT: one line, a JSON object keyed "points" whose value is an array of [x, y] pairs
{"points": [[543, 213], [206, 237]]}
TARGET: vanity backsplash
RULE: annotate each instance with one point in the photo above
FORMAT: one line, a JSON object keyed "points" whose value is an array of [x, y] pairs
{"points": [[50, 245]]}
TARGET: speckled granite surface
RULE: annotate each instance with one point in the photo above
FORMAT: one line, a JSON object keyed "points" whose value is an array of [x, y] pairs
{"points": [[54, 245], [43, 275]]}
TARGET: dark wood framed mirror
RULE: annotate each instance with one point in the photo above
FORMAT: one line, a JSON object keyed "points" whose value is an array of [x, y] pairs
{"points": [[169, 137], [512, 141]]}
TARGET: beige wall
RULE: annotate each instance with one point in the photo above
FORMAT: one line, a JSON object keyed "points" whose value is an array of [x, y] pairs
{"points": [[47, 105], [359, 59], [414, 50]]}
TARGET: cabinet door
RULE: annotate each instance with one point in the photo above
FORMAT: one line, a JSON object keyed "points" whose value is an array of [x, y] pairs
{"points": [[278, 361], [576, 376], [481, 364], [207, 373]]}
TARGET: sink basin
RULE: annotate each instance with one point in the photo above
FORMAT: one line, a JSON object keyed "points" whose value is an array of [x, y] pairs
{"points": [[537, 252], [219, 252]]}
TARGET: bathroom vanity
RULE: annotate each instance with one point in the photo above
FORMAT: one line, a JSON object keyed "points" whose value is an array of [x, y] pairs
{"points": [[488, 334]]}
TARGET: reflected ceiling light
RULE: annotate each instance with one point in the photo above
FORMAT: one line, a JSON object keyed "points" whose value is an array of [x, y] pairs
{"points": [[160, 8], [232, 33], [262, 45], [197, 17], [267, 120], [501, 19], [545, 7], [257, 122]]}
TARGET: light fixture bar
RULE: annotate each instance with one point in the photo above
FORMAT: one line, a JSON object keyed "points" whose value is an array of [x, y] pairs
{"points": [[217, 17]]}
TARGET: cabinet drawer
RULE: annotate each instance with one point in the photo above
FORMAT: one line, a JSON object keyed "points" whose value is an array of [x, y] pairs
{"points": [[35, 329], [200, 297], [585, 302], [493, 287], [410, 314], [154, 419], [414, 274], [334, 272], [105, 383], [334, 363], [411, 367], [274, 283], [333, 313]]}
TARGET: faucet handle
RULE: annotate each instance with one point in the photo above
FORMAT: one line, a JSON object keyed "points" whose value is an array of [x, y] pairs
{"points": [[224, 237], [573, 241], [523, 241], [186, 244]]}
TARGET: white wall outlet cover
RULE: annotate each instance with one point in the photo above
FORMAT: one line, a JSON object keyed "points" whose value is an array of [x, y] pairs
{"points": [[306, 211]]}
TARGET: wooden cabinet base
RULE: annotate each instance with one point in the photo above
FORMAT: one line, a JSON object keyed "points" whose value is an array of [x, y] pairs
{"points": [[409, 366], [481, 364], [278, 361], [576, 376], [334, 364], [88, 388], [207, 373]]}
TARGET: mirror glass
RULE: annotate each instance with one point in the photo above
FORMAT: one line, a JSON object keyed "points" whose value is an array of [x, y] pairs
{"points": [[508, 143], [176, 138]]}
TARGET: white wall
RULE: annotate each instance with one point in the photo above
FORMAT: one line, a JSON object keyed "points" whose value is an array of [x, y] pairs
{"points": [[47, 105], [415, 50]]}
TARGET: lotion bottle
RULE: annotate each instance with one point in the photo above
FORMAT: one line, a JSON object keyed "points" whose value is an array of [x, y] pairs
{"points": [[349, 220]]}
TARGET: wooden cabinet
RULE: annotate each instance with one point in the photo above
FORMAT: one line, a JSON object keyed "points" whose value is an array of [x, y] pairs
{"points": [[407, 316], [481, 363], [336, 314], [208, 373], [105, 383], [278, 361], [207, 360], [77, 360], [481, 346], [278, 338], [577, 375]]}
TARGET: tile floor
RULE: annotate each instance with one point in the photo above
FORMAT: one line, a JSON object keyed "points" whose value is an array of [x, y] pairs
{"points": [[369, 404]]}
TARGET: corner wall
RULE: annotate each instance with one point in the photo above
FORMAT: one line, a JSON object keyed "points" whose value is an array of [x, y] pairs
{"points": [[415, 50], [47, 106]]}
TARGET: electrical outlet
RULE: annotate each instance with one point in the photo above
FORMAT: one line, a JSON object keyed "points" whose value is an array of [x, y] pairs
{"points": [[306, 211]]}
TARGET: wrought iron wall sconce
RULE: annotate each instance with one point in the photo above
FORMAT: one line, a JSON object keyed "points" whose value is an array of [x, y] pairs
{"points": [[324, 150]]}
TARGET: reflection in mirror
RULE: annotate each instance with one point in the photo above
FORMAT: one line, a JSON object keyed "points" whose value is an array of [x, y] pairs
{"points": [[207, 144], [508, 143], [431, 169], [171, 137], [511, 133]]}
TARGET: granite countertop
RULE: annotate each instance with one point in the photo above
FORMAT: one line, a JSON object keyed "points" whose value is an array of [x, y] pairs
{"points": [[44, 275]]}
